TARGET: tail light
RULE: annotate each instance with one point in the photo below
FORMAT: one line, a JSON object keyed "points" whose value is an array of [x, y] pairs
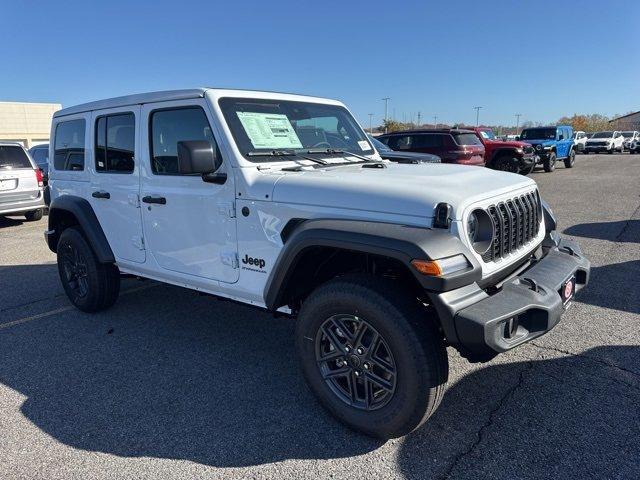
{"points": [[39, 177]]}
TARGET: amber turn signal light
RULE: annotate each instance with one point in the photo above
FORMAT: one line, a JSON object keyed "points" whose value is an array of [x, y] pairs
{"points": [[427, 267]]}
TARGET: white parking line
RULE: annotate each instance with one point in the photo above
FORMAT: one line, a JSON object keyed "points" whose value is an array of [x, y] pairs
{"points": [[20, 321]]}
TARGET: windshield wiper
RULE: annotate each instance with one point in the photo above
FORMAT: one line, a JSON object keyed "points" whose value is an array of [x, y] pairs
{"points": [[285, 153], [336, 151], [272, 153]]}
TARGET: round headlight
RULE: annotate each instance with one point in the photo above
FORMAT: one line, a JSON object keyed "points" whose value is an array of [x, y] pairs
{"points": [[480, 230], [538, 147]]}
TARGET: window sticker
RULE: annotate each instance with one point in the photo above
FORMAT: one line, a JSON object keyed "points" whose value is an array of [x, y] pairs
{"points": [[364, 145], [269, 130]]}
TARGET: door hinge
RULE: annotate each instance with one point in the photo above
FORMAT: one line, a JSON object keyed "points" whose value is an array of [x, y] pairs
{"points": [[227, 209], [138, 242], [230, 259], [134, 199]]}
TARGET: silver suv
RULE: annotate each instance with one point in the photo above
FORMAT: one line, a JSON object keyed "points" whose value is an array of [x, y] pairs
{"points": [[21, 188]]}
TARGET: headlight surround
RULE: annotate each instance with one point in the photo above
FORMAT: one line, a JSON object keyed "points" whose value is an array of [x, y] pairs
{"points": [[480, 230]]}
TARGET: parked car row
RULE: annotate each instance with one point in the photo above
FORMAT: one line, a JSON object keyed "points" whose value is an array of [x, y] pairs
{"points": [[480, 147], [21, 183]]}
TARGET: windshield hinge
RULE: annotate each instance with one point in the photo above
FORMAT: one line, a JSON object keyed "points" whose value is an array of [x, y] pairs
{"points": [[230, 259], [138, 242]]}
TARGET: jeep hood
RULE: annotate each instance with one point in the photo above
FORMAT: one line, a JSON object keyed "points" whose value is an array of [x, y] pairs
{"points": [[399, 189], [514, 144]]}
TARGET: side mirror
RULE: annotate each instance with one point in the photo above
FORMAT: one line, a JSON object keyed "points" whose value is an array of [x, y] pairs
{"points": [[518, 137], [560, 137], [199, 157]]}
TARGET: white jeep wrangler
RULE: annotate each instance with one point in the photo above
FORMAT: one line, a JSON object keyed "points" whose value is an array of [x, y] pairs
{"points": [[281, 202]]}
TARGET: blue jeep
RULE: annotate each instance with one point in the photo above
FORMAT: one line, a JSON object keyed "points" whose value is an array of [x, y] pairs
{"points": [[551, 144]]}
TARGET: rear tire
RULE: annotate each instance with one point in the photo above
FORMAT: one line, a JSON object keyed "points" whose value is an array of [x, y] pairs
{"points": [[90, 285], [34, 215], [570, 160], [550, 162], [416, 361]]}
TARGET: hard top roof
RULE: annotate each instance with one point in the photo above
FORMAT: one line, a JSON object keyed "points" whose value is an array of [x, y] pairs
{"points": [[164, 96]]}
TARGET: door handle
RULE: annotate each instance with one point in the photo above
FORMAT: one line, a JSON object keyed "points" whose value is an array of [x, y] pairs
{"points": [[101, 194], [158, 200]]}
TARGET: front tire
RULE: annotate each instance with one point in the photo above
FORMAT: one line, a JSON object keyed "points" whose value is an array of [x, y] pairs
{"points": [[90, 285], [371, 355], [507, 163], [570, 160], [34, 215], [550, 162]]}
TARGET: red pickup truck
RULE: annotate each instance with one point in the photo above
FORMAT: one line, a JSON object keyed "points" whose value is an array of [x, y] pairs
{"points": [[517, 157]]}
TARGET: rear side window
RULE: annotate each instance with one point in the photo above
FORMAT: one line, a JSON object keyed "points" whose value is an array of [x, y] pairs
{"points": [[168, 127], [426, 141], [69, 145], [467, 139], [13, 157], [115, 143]]}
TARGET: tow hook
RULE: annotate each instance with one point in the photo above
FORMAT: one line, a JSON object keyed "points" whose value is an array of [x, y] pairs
{"points": [[531, 282]]}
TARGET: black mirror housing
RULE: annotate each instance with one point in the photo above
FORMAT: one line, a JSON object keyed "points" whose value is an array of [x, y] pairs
{"points": [[197, 157]]}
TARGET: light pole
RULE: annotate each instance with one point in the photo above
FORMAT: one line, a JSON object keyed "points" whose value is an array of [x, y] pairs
{"points": [[477, 109], [386, 112], [435, 122], [370, 123], [419, 116], [518, 115]]}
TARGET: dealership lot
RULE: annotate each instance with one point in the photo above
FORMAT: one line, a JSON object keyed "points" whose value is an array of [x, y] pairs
{"points": [[172, 384]]}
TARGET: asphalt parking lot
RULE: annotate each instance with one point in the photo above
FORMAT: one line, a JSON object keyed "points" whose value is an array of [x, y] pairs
{"points": [[172, 384]]}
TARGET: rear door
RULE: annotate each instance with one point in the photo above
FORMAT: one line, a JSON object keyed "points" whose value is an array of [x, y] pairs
{"points": [[115, 180], [18, 181]]}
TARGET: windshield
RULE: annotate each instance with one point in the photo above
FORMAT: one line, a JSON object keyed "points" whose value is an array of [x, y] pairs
{"points": [[487, 134], [381, 147], [602, 135], [538, 134], [627, 134], [261, 125]]}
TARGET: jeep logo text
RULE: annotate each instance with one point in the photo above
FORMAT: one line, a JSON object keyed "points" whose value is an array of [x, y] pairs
{"points": [[258, 262]]}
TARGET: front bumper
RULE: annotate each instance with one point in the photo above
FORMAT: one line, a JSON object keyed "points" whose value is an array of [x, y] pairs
{"points": [[597, 148], [527, 305]]}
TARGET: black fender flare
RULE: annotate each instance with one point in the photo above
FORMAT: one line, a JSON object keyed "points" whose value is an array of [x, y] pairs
{"points": [[83, 212], [400, 242]]}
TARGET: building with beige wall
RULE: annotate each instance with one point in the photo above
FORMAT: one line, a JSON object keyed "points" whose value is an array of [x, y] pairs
{"points": [[27, 123]]}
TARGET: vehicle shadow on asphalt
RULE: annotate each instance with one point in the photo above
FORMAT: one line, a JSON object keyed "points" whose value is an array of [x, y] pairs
{"points": [[627, 231], [9, 222], [168, 373], [569, 417]]}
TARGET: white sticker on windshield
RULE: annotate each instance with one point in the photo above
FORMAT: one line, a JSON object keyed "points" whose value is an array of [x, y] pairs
{"points": [[269, 130], [364, 145]]}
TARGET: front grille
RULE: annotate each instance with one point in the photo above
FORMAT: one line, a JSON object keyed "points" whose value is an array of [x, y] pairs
{"points": [[597, 144], [516, 222]]}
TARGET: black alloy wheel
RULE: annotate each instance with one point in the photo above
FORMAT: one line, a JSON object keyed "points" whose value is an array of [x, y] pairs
{"points": [[74, 266], [356, 362]]}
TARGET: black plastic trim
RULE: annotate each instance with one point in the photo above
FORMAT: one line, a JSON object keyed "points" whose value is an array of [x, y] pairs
{"points": [[400, 242], [83, 212]]}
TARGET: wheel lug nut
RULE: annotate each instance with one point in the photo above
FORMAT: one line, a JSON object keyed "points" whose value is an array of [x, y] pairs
{"points": [[357, 373], [360, 351], [366, 366], [347, 349]]}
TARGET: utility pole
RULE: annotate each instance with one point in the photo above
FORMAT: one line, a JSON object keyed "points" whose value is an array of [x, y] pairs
{"points": [[477, 109], [518, 115], [435, 122], [371, 123], [419, 116], [386, 112]]}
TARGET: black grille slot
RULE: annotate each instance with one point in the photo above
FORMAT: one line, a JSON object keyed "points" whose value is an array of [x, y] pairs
{"points": [[515, 223]]}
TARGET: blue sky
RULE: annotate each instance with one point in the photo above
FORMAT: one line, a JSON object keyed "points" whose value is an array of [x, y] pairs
{"points": [[540, 58]]}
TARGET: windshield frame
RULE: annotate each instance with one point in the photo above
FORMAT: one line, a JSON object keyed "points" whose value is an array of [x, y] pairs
{"points": [[541, 137], [225, 105]]}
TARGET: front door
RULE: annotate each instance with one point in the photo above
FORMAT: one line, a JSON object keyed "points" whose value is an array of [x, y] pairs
{"points": [[115, 180], [189, 224]]}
